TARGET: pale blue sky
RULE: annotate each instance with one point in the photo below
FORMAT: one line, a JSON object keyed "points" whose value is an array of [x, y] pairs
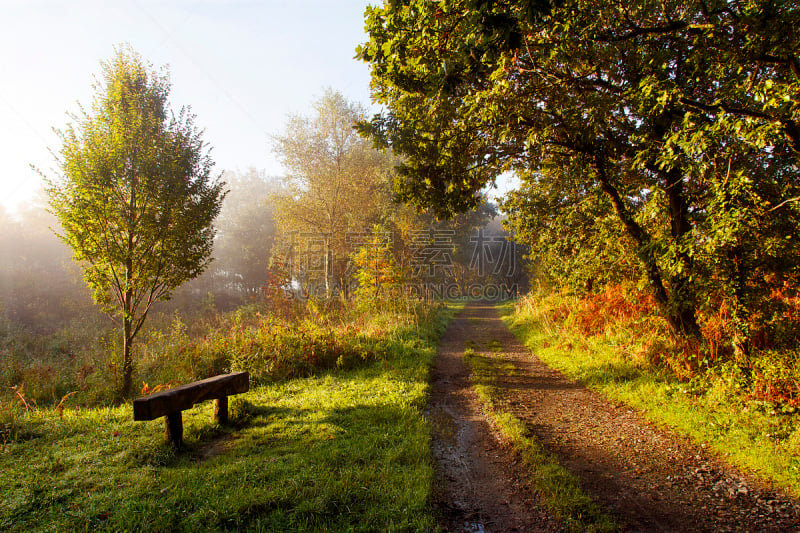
{"points": [[242, 66]]}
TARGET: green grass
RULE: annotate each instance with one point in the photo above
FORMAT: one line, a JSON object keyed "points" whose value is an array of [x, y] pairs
{"points": [[753, 435], [345, 450], [560, 490]]}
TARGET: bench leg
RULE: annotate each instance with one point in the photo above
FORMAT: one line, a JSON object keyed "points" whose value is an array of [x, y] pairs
{"points": [[173, 427], [221, 410]]}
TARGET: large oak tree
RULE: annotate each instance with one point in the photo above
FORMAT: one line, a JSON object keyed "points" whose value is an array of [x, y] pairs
{"points": [[672, 123]]}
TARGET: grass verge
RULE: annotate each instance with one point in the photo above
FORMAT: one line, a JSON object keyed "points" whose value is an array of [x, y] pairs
{"points": [[344, 450], [560, 490], [758, 436]]}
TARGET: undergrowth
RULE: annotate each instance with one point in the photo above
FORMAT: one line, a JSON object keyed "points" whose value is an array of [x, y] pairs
{"points": [[81, 360]]}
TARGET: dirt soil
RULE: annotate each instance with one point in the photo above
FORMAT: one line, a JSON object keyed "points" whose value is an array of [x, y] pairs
{"points": [[648, 478]]}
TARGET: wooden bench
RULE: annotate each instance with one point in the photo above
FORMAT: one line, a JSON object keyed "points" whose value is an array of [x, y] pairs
{"points": [[171, 402]]}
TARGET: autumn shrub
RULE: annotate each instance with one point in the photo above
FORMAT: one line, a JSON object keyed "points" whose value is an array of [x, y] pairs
{"points": [[48, 365], [629, 320], [775, 323], [684, 358], [548, 309], [617, 305], [357, 335], [274, 296], [776, 377], [81, 357], [717, 329], [771, 372], [278, 351], [175, 348], [331, 334]]}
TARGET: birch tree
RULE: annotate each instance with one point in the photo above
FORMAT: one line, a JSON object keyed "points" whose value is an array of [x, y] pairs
{"points": [[337, 183]]}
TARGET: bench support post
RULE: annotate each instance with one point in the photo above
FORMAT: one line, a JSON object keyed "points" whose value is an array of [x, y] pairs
{"points": [[221, 410], [173, 428]]}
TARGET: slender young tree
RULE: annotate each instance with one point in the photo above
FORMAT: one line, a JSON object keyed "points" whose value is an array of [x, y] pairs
{"points": [[136, 200]]}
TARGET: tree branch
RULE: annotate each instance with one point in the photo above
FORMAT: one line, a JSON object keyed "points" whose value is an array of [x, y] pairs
{"points": [[790, 127]]}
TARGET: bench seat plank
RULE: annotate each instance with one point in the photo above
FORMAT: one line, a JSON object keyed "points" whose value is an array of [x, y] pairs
{"points": [[183, 397]]}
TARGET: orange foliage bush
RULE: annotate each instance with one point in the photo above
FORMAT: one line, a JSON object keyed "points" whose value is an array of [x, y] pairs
{"points": [[776, 377], [787, 293], [717, 330], [274, 291], [560, 314], [784, 390], [613, 305]]}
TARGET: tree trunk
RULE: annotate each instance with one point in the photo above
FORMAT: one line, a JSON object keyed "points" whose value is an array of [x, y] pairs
{"points": [[327, 266], [127, 303], [127, 355], [679, 312], [127, 333], [682, 292]]}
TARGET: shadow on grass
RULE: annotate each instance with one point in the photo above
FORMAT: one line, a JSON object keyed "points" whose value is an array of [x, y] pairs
{"points": [[204, 435], [616, 372], [361, 417], [352, 462], [245, 413], [276, 469]]}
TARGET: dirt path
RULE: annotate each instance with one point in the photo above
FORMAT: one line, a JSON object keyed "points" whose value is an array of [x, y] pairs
{"points": [[649, 479]]}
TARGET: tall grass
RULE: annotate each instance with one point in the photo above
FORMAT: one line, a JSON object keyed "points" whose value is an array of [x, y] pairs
{"points": [[48, 365], [82, 357]]}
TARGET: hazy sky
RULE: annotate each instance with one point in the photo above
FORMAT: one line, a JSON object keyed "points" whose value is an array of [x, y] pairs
{"points": [[242, 66]]}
